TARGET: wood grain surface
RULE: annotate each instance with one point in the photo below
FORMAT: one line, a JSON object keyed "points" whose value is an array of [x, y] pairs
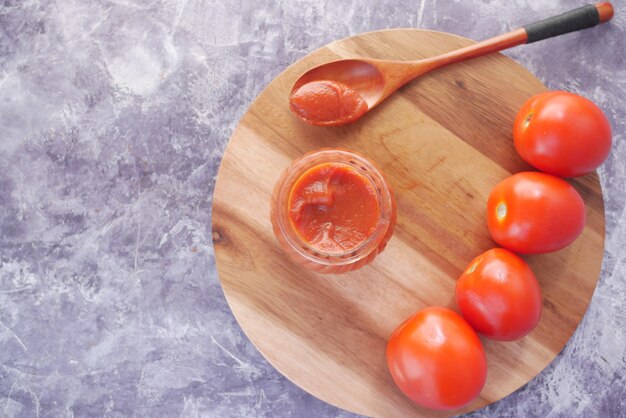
{"points": [[443, 142]]}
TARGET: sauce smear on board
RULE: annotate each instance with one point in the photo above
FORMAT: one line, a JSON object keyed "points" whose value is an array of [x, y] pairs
{"points": [[327, 103]]}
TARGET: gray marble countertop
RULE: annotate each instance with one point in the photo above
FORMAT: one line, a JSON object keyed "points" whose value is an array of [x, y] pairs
{"points": [[114, 115]]}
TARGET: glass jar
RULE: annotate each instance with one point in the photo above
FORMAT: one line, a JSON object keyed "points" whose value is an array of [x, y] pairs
{"points": [[316, 258]]}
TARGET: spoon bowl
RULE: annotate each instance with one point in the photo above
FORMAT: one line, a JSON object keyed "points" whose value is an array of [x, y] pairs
{"points": [[358, 74]]}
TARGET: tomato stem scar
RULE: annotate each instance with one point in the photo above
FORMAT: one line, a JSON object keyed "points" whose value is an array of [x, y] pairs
{"points": [[501, 210], [473, 266], [527, 119]]}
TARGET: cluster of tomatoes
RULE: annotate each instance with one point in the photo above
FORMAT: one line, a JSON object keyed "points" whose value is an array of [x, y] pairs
{"points": [[435, 357]]}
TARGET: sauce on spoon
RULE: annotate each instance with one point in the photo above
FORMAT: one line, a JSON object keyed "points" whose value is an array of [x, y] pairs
{"points": [[327, 103]]}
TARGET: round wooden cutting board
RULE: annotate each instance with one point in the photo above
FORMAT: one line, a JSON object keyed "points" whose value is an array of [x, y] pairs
{"points": [[443, 141]]}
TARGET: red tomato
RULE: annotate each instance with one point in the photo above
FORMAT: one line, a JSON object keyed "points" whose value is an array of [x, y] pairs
{"points": [[562, 134], [499, 295], [533, 213], [437, 360]]}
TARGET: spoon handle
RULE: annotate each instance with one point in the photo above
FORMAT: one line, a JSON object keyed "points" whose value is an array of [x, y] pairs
{"points": [[577, 19]]}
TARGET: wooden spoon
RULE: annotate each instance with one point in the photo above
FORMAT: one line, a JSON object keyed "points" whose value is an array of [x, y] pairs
{"points": [[374, 80]]}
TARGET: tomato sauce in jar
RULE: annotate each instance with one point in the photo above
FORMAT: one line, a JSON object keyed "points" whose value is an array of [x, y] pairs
{"points": [[333, 211], [333, 207]]}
